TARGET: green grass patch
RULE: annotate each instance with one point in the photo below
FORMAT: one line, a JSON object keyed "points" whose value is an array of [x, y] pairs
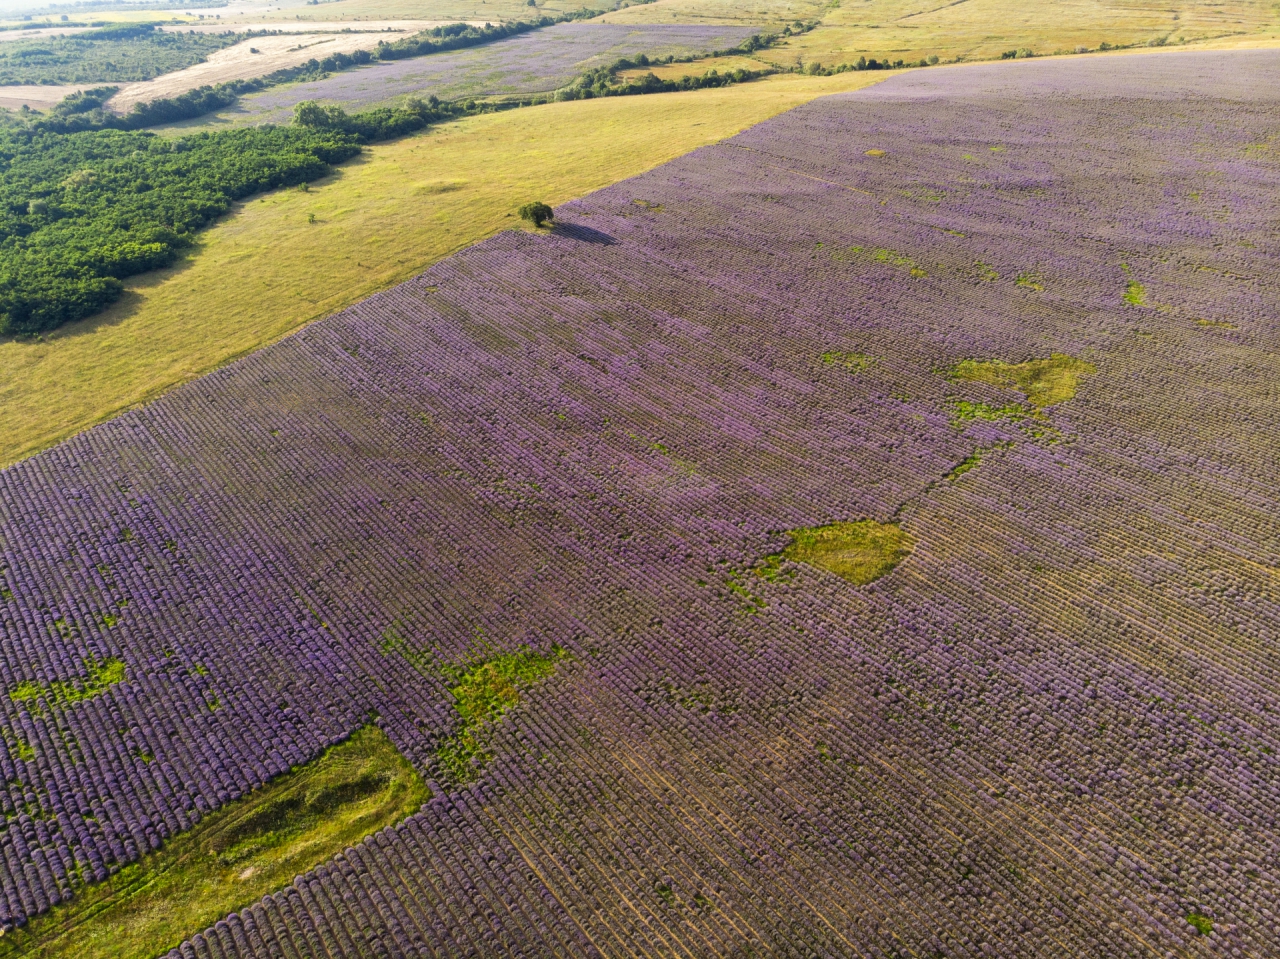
{"points": [[1135, 293], [973, 459], [1031, 281], [482, 695], [853, 362], [1044, 382], [43, 697], [859, 552], [1219, 324], [965, 411], [233, 857], [1203, 924], [768, 569], [878, 254], [394, 641], [966, 464]]}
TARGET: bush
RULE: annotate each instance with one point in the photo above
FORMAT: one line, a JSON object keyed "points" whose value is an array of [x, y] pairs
{"points": [[536, 213]]}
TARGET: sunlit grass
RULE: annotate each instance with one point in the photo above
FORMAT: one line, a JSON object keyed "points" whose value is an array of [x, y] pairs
{"points": [[1203, 924], [41, 697], [232, 857], [853, 362], [1044, 382], [964, 412], [1135, 293], [877, 254], [859, 552], [973, 459]]}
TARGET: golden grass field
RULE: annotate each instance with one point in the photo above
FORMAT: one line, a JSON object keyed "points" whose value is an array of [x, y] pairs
{"points": [[265, 270], [494, 10], [974, 29], [764, 12]]}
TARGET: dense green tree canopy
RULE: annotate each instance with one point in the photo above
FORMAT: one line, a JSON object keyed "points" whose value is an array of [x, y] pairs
{"points": [[115, 54], [79, 212]]}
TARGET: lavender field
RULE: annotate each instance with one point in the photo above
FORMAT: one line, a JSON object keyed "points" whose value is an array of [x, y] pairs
{"points": [[1047, 726], [536, 62]]}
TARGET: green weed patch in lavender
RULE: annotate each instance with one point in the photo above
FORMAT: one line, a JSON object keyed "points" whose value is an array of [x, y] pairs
{"points": [[859, 552], [1218, 324], [853, 362], [19, 748], [752, 602], [1203, 924], [879, 254], [42, 697], [1044, 382], [232, 857], [482, 695], [973, 459], [1031, 281], [1135, 293], [394, 641], [964, 412]]}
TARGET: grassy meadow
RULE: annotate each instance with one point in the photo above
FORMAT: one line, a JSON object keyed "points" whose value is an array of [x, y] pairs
{"points": [[775, 13], [493, 10], [287, 258], [976, 29]]}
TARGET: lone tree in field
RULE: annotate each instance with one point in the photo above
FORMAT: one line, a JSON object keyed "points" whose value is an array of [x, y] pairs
{"points": [[536, 213]]}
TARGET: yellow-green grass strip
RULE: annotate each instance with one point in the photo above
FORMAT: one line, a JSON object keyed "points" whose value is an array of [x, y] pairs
{"points": [[232, 857], [860, 552], [1044, 382], [266, 269]]}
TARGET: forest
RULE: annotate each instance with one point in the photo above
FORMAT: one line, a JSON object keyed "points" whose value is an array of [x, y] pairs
{"points": [[119, 53], [80, 212]]}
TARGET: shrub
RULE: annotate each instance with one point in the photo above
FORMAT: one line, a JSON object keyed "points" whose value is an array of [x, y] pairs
{"points": [[536, 213]]}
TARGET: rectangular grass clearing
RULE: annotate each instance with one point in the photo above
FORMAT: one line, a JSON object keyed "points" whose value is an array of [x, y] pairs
{"points": [[233, 857]]}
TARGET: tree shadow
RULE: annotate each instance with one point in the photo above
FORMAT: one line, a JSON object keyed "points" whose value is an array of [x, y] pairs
{"points": [[583, 234], [129, 302]]}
